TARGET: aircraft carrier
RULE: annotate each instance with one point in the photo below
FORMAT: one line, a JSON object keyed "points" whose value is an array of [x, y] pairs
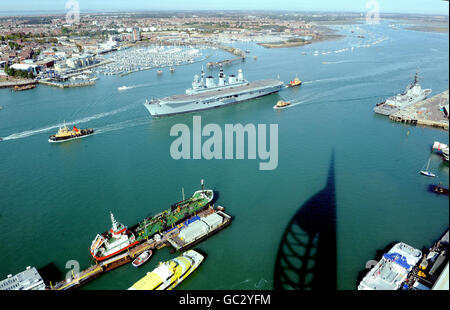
{"points": [[207, 94]]}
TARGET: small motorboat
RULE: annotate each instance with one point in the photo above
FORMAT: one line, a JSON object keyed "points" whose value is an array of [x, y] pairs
{"points": [[159, 72], [141, 259], [281, 104]]}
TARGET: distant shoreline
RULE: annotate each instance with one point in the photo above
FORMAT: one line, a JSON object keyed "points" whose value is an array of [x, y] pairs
{"points": [[326, 34], [430, 28]]}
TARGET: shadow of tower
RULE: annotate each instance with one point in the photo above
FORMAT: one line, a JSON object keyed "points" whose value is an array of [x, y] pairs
{"points": [[307, 258]]}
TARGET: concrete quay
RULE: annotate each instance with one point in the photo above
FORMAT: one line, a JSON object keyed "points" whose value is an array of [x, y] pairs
{"points": [[429, 112]]}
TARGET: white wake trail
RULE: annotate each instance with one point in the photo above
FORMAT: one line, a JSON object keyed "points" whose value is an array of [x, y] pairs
{"points": [[29, 133]]}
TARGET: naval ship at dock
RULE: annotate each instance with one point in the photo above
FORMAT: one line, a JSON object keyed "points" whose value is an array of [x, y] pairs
{"points": [[412, 94], [207, 94]]}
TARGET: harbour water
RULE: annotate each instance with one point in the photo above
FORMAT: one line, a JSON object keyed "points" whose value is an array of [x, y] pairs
{"points": [[54, 198]]}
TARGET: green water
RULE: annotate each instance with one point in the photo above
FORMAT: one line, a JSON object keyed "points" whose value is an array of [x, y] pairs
{"points": [[54, 198]]}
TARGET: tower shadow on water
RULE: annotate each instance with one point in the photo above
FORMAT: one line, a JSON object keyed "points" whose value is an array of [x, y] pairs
{"points": [[306, 258]]}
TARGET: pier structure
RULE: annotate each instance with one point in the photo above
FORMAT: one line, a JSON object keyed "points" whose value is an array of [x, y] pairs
{"points": [[157, 242], [214, 64], [429, 112], [98, 269], [432, 273], [67, 85], [18, 83]]}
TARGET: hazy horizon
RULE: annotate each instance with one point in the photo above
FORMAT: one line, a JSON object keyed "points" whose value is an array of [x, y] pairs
{"points": [[425, 7]]}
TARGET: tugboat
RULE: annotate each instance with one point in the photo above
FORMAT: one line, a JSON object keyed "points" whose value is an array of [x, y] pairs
{"points": [[118, 239], [141, 259], [294, 82], [281, 105], [64, 134]]}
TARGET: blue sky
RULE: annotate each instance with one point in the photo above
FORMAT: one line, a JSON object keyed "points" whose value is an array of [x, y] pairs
{"points": [[386, 6]]}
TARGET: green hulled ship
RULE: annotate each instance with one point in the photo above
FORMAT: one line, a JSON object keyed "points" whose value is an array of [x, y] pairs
{"points": [[120, 238]]}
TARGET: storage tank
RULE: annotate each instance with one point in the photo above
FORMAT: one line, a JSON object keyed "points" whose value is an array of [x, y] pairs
{"points": [[231, 79], [213, 220], [193, 231]]}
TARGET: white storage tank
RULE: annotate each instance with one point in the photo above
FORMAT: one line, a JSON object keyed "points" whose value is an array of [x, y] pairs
{"points": [[231, 79], [193, 231], [213, 220]]}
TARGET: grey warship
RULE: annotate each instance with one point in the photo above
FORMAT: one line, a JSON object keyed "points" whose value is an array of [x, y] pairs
{"points": [[412, 94], [207, 94]]}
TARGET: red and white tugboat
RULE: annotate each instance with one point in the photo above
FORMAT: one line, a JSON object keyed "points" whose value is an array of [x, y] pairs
{"points": [[118, 239]]}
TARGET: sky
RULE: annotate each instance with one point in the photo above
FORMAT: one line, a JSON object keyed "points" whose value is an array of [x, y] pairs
{"points": [[385, 6]]}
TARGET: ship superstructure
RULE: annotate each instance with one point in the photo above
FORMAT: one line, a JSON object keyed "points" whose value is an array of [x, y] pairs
{"points": [[206, 93], [412, 94], [29, 279], [112, 242], [393, 268], [120, 238]]}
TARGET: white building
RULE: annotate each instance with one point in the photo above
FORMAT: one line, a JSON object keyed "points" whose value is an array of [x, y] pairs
{"points": [[26, 67]]}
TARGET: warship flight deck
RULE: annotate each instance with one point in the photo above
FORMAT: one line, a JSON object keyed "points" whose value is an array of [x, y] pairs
{"points": [[250, 86]]}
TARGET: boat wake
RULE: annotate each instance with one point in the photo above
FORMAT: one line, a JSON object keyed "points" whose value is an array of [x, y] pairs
{"points": [[317, 100], [122, 125], [29, 133], [125, 88]]}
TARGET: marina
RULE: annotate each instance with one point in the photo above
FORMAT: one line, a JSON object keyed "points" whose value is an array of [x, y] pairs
{"points": [[137, 59]]}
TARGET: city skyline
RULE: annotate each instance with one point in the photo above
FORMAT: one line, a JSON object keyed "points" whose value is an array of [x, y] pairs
{"points": [[385, 6]]}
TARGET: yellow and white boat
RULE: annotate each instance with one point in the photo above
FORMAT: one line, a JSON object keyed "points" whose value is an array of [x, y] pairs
{"points": [[281, 105], [169, 274], [294, 82]]}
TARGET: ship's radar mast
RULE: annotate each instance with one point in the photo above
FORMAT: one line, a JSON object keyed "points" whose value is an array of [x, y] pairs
{"points": [[114, 222]]}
